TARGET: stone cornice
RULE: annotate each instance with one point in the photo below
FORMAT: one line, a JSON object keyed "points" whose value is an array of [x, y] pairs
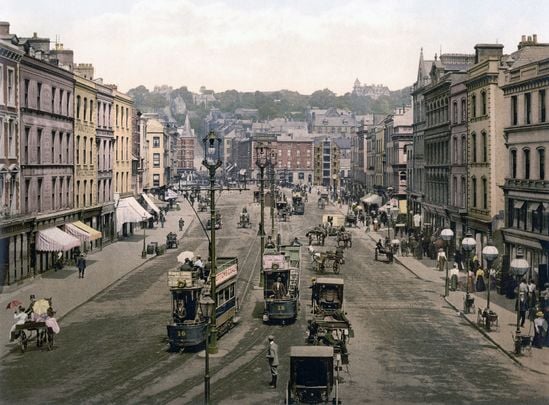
{"points": [[526, 85], [482, 81]]}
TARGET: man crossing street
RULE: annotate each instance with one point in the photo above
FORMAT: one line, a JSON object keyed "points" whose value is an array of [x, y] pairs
{"points": [[272, 357]]}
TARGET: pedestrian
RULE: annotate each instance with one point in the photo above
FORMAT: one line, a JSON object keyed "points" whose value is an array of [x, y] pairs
{"points": [[272, 357], [454, 277], [162, 219], [523, 287], [458, 258], [441, 260], [181, 224], [532, 301], [480, 284], [20, 317], [522, 308], [81, 264], [540, 330]]}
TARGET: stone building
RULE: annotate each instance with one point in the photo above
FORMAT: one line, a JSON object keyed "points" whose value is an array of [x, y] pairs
{"points": [[295, 158], [332, 122], [326, 164], [156, 177], [526, 129]]}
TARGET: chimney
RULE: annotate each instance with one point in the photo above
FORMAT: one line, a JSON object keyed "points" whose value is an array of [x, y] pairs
{"points": [[535, 38], [486, 51], [523, 38], [4, 28]]}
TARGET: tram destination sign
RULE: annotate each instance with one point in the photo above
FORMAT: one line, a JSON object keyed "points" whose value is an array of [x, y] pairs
{"points": [[226, 274]]}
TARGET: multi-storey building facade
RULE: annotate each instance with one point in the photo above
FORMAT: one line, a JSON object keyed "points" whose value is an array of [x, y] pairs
{"points": [[331, 122], [327, 164], [122, 167], [295, 158], [526, 188], [156, 155], [457, 205], [104, 137]]}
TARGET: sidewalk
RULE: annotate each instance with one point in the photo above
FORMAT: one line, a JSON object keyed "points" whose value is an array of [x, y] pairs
{"points": [[535, 360], [104, 267]]}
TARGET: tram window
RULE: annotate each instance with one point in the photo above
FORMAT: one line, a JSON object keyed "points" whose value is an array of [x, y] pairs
{"points": [[220, 300], [232, 291], [227, 294]]}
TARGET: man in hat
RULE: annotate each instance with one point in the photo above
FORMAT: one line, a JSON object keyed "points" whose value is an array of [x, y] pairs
{"points": [[81, 264], [279, 289], [272, 357], [540, 330]]}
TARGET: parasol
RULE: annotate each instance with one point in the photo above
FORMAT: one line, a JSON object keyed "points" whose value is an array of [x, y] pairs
{"points": [[41, 306], [185, 255], [14, 304]]}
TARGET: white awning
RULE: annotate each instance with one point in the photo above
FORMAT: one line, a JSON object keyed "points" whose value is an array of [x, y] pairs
{"points": [[156, 200], [55, 240], [373, 199], [149, 202], [170, 194], [129, 210], [77, 233]]}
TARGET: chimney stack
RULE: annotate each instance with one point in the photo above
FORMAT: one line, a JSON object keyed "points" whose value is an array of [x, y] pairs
{"points": [[4, 28], [535, 38]]}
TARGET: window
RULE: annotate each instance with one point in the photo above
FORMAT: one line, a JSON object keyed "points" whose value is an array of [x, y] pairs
{"points": [[39, 147], [474, 147], [156, 159], [84, 144], [77, 107], [121, 116], [12, 129], [1, 84], [463, 192], [26, 143], [473, 106], [11, 87], [156, 142], [78, 150], [39, 93], [68, 103], [514, 164], [484, 193], [483, 103], [61, 92], [91, 151], [455, 191], [117, 115], [514, 110], [127, 116], [463, 150], [156, 180], [53, 91], [527, 108], [39, 195], [542, 113], [526, 153], [474, 191], [53, 141], [91, 110], [541, 160], [463, 110], [26, 93], [484, 147], [53, 189], [85, 108]]}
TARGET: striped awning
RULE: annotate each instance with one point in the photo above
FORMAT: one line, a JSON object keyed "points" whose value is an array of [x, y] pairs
{"points": [[94, 233], [77, 232], [55, 240]]}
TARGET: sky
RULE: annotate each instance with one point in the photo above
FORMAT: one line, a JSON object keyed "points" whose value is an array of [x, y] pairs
{"points": [[268, 45]]}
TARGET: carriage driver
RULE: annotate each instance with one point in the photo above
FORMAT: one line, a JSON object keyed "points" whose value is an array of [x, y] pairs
{"points": [[279, 289]]}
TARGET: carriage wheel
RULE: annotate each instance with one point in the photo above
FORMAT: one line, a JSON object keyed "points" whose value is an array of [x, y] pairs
{"points": [[23, 341], [49, 340]]}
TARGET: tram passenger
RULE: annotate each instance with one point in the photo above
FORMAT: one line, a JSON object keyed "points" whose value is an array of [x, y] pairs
{"points": [[20, 317], [180, 312], [269, 244], [296, 242], [279, 289]]}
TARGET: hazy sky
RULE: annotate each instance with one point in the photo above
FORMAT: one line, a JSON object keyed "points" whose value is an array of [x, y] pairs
{"points": [[270, 45]]}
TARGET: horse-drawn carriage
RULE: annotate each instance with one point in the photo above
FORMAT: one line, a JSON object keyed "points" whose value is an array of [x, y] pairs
{"points": [[324, 260], [319, 233], [202, 205], [384, 250], [344, 238], [312, 379], [329, 325], [283, 211], [333, 223], [244, 221], [42, 326], [171, 241], [350, 219]]}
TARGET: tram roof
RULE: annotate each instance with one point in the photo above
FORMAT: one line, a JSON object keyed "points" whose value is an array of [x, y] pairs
{"points": [[311, 351], [329, 280]]}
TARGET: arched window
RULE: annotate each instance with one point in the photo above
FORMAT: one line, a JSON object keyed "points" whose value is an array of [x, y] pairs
{"points": [[463, 158], [85, 108], [77, 107], [473, 106], [474, 147], [474, 192], [484, 147], [455, 112], [513, 164], [463, 110], [484, 193], [526, 154], [483, 109], [541, 160]]}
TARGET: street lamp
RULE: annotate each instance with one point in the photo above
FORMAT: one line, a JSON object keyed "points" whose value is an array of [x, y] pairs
{"points": [[261, 156], [519, 267], [272, 164], [447, 235], [144, 251], [212, 161], [393, 213], [490, 253], [468, 244], [207, 307]]}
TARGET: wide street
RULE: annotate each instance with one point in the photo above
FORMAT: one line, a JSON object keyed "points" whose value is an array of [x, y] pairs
{"points": [[408, 347]]}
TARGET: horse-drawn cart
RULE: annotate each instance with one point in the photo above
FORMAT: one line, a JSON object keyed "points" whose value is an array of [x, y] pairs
{"points": [[244, 221], [171, 241], [345, 238], [31, 330], [321, 261]]}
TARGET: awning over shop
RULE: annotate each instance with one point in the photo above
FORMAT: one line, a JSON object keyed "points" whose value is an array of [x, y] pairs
{"points": [[55, 240], [373, 199], [129, 210], [94, 233], [77, 233], [156, 200], [170, 194], [150, 203]]}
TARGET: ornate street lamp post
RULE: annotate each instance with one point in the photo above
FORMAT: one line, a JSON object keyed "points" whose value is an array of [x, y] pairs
{"points": [[490, 253], [468, 244], [447, 234], [207, 308], [272, 164], [144, 251], [212, 161], [519, 267], [261, 156], [393, 215]]}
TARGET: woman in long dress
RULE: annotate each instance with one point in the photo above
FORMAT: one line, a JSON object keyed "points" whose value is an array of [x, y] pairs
{"points": [[480, 285]]}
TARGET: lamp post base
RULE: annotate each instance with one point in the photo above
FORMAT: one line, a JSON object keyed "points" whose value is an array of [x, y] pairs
{"points": [[144, 254]]}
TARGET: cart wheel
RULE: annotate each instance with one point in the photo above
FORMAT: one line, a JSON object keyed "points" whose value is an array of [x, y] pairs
{"points": [[49, 340], [23, 341]]}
